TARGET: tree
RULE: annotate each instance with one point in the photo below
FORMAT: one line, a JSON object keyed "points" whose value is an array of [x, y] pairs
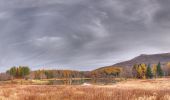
{"points": [[13, 71], [49, 74], [25, 71], [144, 68], [19, 72], [167, 68], [154, 70], [139, 71], [149, 72], [134, 71], [159, 70]]}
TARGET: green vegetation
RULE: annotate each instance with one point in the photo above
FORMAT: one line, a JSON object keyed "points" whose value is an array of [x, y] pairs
{"points": [[106, 72], [159, 70], [104, 75], [48, 74], [141, 71], [149, 72], [19, 72]]}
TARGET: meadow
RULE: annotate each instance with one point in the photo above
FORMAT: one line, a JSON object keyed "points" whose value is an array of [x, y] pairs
{"points": [[131, 89]]}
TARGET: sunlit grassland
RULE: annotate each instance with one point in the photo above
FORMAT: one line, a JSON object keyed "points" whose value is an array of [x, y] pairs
{"points": [[155, 89]]}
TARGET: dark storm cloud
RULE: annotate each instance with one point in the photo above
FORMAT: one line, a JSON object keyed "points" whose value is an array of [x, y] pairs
{"points": [[80, 34]]}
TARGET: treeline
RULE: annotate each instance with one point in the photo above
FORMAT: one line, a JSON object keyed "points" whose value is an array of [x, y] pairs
{"points": [[143, 71], [138, 71], [19, 72], [99, 73], [106, 72], [25, 72], [48, 74]]}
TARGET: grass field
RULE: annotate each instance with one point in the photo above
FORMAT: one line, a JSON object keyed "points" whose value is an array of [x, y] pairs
{"points": [[158, 89]]}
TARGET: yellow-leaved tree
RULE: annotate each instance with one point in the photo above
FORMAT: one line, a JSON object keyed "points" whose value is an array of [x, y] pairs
{"points": [[144, 68], [140, 70], [168, 68], [154, 70]]}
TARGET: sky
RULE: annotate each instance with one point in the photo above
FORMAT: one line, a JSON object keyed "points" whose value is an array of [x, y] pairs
{"points": [[81, 34]]}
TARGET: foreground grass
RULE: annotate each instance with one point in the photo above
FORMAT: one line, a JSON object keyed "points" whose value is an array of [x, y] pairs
{"points": [[130, 90]]}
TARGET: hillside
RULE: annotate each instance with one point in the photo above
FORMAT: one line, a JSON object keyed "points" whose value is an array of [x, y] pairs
{"points": [[147, 59], [106, 71], [108, 68]]}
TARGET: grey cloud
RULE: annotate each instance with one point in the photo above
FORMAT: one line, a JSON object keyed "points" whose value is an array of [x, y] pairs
{"points": [[80, 34]]}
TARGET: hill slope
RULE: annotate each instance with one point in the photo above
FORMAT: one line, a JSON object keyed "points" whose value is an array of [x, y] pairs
{"points": [[147, 59]]}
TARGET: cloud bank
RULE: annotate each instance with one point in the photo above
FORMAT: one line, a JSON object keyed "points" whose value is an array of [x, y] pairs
{"points": [[81, 34]]}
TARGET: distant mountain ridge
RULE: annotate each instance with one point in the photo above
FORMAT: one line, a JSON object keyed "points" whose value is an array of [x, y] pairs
{"points": [[147, 59]]}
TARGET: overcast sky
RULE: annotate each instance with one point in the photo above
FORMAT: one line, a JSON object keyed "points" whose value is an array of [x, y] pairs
{"points": [[81, 34]]}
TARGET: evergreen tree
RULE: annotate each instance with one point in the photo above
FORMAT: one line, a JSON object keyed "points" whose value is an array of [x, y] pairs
{"points": [[149, 72], [159, 70]]}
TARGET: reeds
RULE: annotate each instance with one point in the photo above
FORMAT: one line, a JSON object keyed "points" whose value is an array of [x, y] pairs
{"points": [[81, 93]]}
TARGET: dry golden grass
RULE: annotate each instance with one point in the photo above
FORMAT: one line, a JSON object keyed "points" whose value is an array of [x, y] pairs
{"points": [[128, 90]]}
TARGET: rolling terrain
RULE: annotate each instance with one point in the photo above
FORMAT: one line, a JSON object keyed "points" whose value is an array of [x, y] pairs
{"points": [[146, 59]]}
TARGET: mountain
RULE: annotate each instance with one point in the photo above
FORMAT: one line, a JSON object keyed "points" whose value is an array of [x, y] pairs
{"points": [[147, 59], [107, 69]]}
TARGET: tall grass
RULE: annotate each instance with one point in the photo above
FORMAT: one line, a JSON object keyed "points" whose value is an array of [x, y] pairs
{"points": [[81, 93]]}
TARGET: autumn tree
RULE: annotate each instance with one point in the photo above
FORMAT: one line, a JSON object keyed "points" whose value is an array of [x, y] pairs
{"points": [[154, 70], [144, 68], [139, 71], [112, 71], [168, 68], [19, 72]]}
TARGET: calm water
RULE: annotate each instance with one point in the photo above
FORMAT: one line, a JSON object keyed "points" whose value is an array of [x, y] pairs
{"points": [[81, 81]]}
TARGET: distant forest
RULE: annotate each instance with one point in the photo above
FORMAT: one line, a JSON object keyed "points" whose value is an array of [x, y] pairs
{"points": [[138, 71]]}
